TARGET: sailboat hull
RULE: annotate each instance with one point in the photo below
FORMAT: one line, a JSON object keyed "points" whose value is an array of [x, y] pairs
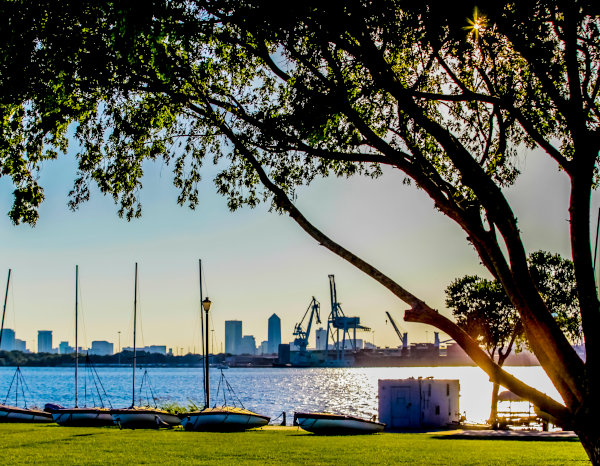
{"points": [[144, 418], [336, 424], [83, 417], [14, 414], [222, 420]]}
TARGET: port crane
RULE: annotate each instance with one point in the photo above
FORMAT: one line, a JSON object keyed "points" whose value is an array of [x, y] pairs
{"points": [[403, 336], [301, 340], [437, 342], [339, 322]]}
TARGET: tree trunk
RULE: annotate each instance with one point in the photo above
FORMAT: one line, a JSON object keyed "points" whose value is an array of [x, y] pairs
{"points": [[590, 440], [493, 420]]}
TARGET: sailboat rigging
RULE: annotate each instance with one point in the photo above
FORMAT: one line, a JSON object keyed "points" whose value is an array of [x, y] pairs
{"points": [[81, 416], [139, 417], [223, 418], [14, 413]]}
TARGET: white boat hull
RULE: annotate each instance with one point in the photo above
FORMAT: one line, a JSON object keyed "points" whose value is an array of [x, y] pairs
{"points": [[14, 414], [83, 417], [336, 424], [143, 418], [222, 420]]}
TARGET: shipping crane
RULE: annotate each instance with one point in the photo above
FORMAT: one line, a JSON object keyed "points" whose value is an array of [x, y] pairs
{"points": [[338, 321], [437, 342], [403, 336], [301, 340]]}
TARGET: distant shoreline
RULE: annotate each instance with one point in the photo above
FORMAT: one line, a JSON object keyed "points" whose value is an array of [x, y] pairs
{"points": [[144, 359]]}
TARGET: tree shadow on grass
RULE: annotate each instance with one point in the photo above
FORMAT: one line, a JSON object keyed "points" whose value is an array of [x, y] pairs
{"points": [[55, 441], [339, 435], [516, 437]]}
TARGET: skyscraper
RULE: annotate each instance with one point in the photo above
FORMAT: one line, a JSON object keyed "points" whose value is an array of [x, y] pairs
{"points": [[263, 348], [274, 333], [248, 345], [21, 345], [233, 336], [8, 339], [44, 341]]}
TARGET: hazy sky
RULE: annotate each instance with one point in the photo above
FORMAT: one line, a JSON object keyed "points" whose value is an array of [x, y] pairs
{"points": [[256, 263]]}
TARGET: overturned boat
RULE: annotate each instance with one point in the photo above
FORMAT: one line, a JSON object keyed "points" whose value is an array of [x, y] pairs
{"points": [[336, 424], [138, 417], [222, 419], [16, 414], [144, 417], [79, 417], [21, 414]]}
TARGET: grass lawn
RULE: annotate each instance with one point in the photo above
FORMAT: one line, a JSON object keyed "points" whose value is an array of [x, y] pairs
{"points": [[52, 444]]}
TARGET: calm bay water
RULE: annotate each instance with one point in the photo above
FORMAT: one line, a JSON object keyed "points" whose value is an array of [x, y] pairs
{"points": [[265, 390]]}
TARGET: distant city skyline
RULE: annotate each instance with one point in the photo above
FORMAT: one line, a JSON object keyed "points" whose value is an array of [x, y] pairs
{"points": [[255, 262], [236, 343]]}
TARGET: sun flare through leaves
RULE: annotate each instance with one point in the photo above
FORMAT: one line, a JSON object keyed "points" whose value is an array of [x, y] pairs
{"points": [[476, 24]]}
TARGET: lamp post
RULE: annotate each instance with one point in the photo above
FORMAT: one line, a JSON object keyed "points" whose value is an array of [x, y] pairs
{"points": [[206, 306]]}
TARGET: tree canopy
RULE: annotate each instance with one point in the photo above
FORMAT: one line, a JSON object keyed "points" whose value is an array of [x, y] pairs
{"points": [[481, 307], [282, 94], [484, 310]]}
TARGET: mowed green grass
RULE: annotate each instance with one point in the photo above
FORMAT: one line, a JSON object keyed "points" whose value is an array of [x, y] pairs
{"points": [[52, 444]]}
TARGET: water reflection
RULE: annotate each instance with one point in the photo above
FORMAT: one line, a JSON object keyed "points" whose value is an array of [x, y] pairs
{"points": [[270, 390]]}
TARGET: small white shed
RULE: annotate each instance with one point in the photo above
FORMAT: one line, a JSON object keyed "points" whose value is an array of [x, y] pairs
{"points": [[417, 403]]}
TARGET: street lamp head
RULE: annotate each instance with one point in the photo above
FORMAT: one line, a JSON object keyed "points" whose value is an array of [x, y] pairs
{"points": [[206, 304]]}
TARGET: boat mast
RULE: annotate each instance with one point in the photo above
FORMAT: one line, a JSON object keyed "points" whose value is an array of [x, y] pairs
{"points": [[4, 310], [76, 342], [204, 353], [134, 328], [207, 380]]}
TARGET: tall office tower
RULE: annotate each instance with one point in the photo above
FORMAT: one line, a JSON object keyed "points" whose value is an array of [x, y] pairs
{"points": [[321, 339], [263, 348], [65, 348], [274, 333], [233, 336], [21, 345], [101, 348], [44, 341], [248, 345], [8, 340]]}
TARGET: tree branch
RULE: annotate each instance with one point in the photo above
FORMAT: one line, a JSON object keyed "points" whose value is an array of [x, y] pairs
{"points": [[426, 315], [467, 96]]}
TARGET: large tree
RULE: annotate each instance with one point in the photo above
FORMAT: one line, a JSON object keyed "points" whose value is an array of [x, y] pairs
{"points": [[286, 93]]}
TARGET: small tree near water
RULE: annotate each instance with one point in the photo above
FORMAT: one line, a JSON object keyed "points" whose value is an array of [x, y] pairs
{"points": [[483, 309]]}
